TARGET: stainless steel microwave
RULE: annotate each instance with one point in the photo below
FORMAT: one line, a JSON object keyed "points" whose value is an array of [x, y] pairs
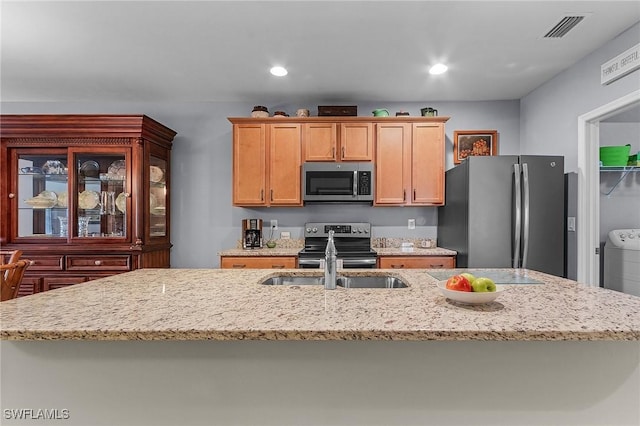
{"points": [[337, 182]]}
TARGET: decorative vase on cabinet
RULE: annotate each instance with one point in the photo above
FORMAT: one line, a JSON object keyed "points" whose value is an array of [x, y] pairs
{"points": [[84, 196]]}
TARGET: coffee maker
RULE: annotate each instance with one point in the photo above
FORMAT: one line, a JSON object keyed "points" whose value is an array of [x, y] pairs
{"points": [[251, 233]]}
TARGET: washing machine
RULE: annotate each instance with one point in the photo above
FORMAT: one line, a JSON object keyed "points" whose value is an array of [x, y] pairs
{"points": [[622, 261]]}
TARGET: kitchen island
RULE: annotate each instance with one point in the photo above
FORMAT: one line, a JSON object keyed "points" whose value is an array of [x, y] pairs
{"points": [[217, 347]]}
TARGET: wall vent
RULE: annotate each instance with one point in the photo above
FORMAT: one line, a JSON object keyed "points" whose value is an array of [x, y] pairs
{"points": [[564, 26]]}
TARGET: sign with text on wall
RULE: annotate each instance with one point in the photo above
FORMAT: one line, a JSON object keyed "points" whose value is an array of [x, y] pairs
{"points": [[621, 65]]}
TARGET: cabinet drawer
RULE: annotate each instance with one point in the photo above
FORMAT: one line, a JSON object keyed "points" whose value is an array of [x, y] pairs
{"points": [[266, 262], [45, 263], [427, 262], [51, 283], [98, 262], [29, 285]]}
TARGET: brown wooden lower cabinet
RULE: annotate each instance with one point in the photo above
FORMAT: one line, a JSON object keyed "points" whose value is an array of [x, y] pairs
{"points": [[407, 262], [258, 262]]}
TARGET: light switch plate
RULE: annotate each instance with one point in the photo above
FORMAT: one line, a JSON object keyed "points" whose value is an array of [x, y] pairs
{"points": [[411, 224], [571, 224], [285, 235]]}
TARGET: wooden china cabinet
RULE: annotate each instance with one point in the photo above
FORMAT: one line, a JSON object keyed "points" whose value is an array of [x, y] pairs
{"points": [[84, 196]]}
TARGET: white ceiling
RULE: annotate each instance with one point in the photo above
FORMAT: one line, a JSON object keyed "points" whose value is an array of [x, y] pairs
{"points": [[336, 51]]}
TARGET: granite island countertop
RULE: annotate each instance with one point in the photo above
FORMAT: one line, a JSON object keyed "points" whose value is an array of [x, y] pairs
{"points": [[227, 304]]}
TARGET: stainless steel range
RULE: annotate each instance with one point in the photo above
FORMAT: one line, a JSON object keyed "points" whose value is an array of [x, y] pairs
{"points": [[352, 241]]}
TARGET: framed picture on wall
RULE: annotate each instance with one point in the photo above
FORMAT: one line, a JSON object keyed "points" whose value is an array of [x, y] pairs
{"points": [[467, 143]]}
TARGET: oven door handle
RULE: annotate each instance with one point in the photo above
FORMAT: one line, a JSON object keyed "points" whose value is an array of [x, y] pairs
{"points": [[369, 262], [308, 263]]}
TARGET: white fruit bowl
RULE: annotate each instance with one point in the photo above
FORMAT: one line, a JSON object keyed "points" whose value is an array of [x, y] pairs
{"points": [[469, 297]]}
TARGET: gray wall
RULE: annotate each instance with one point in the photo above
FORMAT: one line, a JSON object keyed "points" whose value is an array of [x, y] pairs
{"points": [[203, 220], [549, 114]]}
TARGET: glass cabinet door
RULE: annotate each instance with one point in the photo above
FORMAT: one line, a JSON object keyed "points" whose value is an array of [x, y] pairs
{"points": [[102, 195], [157, 197], [42, 194]]}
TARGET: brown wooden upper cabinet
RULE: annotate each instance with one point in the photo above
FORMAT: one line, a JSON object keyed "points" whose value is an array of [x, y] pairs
{"points": [[325, 141], [408, 153], [410, 163], [266, 164]]}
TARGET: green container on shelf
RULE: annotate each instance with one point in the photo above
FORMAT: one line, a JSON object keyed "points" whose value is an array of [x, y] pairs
{"points": [[615, 155]]}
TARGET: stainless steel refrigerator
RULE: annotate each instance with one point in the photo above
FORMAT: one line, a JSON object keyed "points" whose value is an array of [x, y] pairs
{"points": [[505, 212]]}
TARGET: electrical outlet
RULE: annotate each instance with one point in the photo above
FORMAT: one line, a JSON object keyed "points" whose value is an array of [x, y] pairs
{"points": [[411, 224], [274, 224], [285, 235], [571, 224]]}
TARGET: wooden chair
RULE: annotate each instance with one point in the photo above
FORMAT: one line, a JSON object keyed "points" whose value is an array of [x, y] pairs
{"points": [[10, 256], [10, 278]]}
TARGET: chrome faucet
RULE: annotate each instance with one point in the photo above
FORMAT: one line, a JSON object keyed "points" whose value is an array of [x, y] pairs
{"points": [[330, 264]]}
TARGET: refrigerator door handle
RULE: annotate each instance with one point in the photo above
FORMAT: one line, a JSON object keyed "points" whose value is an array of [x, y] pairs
{"points": [[525, 233], [517, 212]]}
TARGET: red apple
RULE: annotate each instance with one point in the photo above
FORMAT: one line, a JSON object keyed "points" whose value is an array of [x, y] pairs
{"points": [[458, 283]]}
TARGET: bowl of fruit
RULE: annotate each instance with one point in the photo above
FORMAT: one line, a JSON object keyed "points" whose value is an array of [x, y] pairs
{"points": [[466, 288]]}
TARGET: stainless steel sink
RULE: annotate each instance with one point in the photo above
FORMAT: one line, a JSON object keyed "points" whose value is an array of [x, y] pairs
{"points": [[371, 282], [284, 280], [374, 281]]}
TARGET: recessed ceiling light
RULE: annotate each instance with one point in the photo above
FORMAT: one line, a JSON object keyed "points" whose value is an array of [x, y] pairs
{"points": [[279, 71], [438, 69]]}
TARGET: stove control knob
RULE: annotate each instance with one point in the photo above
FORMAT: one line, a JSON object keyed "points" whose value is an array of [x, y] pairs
{"points": [[353, 230], [314, 230], [308, 230], [360, 230], [366, 231], [622, 235], [631, 236]]}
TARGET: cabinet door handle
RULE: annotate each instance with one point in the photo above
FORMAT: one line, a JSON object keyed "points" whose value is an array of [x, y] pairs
{"points": [[262, 195], [414, 195], [97, 262], [397, 266], [272, 195], [437, 266], [277, 266], [404, 195], [12, 195], [239, 265], [343, 152], [333, 152]]}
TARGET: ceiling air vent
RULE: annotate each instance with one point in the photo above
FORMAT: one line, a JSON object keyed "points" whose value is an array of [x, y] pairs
{"points": [[564, 26]]}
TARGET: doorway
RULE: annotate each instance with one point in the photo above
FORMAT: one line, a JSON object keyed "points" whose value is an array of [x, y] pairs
{"points": [[588, 214]]}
